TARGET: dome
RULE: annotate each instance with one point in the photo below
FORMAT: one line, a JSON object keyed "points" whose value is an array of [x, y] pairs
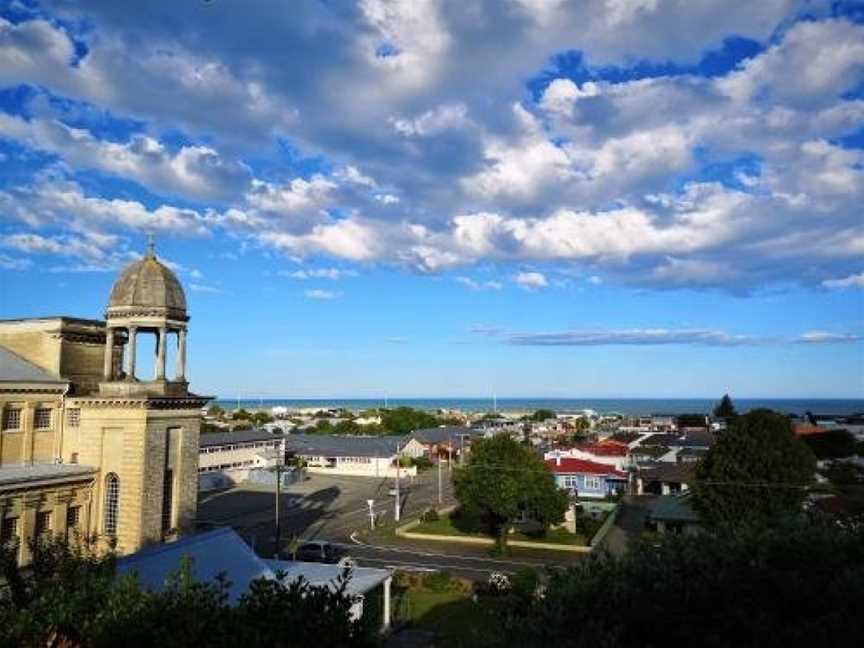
{"points": [[147, 287]]}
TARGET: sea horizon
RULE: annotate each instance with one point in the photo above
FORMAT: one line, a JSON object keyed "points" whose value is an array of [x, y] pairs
{"points": [[630, 406]]}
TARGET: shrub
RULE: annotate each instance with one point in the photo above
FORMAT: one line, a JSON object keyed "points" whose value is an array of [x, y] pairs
{"points": [[498, 583], [431, 515], [440, 581], [524, 582], [422, 463]]}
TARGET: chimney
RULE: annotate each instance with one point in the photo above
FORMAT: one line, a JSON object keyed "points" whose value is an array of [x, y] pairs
{"points": [[558, 458]]}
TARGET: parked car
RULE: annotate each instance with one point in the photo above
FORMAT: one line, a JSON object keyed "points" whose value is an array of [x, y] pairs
{"points": [[323, 552]]}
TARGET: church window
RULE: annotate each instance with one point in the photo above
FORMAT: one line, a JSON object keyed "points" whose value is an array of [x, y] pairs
{"points": [[9, 531], [167, 501], [42, 418], [112, 503], [43, 523], [12, 418], [73, 417]]}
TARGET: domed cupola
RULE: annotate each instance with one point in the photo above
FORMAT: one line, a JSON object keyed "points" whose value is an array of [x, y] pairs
{"points": [[146, 298]]}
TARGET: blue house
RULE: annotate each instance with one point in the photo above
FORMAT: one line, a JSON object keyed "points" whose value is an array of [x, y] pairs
{"points": [[587, 478]]}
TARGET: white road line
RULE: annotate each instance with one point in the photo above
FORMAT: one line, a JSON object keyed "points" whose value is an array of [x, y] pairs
{"points": [[430, 567]]}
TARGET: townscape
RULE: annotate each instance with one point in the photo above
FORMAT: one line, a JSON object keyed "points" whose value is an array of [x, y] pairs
{"points": [[398, 509], [431, 324]]}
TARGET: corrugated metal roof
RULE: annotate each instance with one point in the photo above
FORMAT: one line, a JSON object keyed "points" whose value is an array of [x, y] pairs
{"points": [[240, 436], [14, 368], [21, 474], [334, 445]]}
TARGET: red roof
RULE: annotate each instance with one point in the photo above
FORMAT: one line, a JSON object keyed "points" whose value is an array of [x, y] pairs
{"points": [[806, 429], [570, 466], [604, 449]]}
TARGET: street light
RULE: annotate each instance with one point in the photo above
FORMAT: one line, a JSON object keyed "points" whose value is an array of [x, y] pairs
{"points": [[371, 503]]}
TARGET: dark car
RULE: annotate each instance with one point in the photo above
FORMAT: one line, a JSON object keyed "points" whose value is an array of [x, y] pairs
{"points": [[323, 552]]}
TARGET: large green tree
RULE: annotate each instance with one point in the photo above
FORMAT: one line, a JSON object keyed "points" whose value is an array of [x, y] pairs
{"points": [[503, 479], [403, 420], [799, 583], [757, 469]]}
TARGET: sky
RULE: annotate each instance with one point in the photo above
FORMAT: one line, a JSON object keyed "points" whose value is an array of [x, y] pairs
{"points": [[603, 198]]}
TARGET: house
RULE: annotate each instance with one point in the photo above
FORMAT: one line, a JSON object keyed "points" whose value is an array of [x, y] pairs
{"points": [[664, 477], [222, 551], [225, 458], [651, 453], [672, 514], [350, 455], [608, 452], [445, 442], [585, 478]]}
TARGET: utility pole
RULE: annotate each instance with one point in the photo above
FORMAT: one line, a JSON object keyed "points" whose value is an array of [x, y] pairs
{"points": [[371, 503], [278, 498], [398, 463], [449, 455], [439, 480]]}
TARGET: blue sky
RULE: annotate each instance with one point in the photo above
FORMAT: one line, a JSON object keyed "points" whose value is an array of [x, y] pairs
{"points": [[430, 198]]}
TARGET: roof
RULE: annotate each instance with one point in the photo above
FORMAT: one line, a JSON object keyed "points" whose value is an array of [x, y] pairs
{"points": [[605, 449], [650, 451], [222, 551], [14, 368], [666, 439], [444, 434], [672, 508], [572, 466], [333, 445], [667, 471], [806, 429], [14, 475], [210, 439], [212, 553], [147, 283]]}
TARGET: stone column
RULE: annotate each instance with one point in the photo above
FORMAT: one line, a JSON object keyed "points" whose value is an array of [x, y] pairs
{"points": [[160, 353], [130, 357], [181, 356], [108, 363]]}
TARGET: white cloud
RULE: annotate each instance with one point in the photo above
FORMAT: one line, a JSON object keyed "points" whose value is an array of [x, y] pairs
{"points": [[431, 122], [318, 273], [824, 337], [852, 281], [479, 285], [197, 172], [317, 293], [531, 280], [12, 263], [204, 288]]}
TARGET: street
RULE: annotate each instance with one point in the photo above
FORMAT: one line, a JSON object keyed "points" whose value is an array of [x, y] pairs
{"points": [[334, 508]]}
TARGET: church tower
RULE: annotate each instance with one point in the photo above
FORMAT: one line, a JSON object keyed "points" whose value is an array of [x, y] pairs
{"points": [[141, 431]]}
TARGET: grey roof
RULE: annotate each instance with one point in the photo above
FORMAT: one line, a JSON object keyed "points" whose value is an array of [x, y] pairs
{"points": [[240, 436], [14, 368], [335, 445], [28, 473], [147, 283], [666, 471], [445, 434], [672, 508], [212, 553]]}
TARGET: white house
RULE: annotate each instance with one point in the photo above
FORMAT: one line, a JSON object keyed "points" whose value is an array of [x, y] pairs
{"points": [[361, 456]]}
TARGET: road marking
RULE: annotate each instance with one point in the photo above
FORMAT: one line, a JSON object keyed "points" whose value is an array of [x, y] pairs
{"points": [[431, 567]]}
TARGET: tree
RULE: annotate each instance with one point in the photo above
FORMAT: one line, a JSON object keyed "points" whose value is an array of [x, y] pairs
{"points": [[541, 415], [404, 420], [725, 409], [758, 468], [503, 479], [216, 411], [831, 444], [796, 584], [72, 596]]}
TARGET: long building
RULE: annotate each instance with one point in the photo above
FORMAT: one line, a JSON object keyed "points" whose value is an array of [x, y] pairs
{"points": [[87, 445]]}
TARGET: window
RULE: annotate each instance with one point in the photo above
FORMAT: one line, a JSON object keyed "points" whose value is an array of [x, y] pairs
{"points": [[42, 418], [112, 504], [73, 417], [73, 517], [12, 418], [167, 501], [592, 483], [569, 481], [43, 523], [9, 531]]}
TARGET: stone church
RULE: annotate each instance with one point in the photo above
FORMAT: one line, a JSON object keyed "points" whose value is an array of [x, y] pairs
{"points": [[87, 445]]}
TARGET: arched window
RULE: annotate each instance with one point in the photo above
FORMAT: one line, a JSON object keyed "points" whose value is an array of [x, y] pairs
{"points": [[112, 503]]}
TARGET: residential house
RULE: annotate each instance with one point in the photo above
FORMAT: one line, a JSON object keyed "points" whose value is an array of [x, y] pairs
{"points": [[664, 477], [445, 442], [350, 455], [585, 478], [607, 452], [672, 514]]}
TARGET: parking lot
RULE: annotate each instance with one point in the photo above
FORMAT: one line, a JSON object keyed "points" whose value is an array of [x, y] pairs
{"points": [[322, 506]]}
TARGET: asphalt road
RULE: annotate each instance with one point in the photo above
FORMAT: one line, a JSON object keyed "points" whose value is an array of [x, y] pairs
{"points": [[334, 509]]}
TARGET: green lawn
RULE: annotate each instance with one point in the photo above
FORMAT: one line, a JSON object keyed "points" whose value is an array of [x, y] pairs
{"points": [[444, 526], [452, 614]]}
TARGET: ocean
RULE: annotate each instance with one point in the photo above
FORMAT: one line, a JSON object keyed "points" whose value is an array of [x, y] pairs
{"points": [[643, 406]]}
